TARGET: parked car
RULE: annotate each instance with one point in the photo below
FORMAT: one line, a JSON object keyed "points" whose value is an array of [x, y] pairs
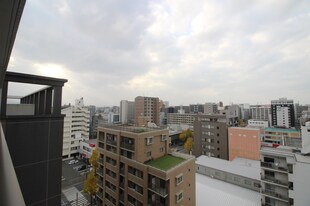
{"points": [[71, 162], [83, 167]]}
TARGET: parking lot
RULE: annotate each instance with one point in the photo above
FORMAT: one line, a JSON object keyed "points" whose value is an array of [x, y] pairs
{"points": [[70, 174]]}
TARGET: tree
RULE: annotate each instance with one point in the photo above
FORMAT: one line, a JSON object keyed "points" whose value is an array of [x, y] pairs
{"points": [[188, 144], [187, 137], [90, 185], [93, 160]]}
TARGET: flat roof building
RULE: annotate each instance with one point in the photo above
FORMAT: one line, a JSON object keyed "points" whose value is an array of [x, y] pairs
{"points": [[244, 142], [137, 167]]}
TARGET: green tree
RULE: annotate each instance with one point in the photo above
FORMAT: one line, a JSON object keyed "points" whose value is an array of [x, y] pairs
{"points": [[187, 137], [90, 185]]}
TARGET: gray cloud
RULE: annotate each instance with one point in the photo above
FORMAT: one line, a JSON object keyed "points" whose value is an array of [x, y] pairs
{"points": [[184, 52]]}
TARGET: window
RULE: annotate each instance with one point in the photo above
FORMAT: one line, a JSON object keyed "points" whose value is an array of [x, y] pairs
{"points": [[149, 153], [247, 182], [161, 149], [256, 185], [163, 138], [179, 179], [179, 196], [149, 140]]}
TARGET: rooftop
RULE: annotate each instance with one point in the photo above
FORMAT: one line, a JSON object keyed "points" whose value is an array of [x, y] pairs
{"points": [[133, 129], [166, 162], [240, 166], [219, 193], [274, 129]]}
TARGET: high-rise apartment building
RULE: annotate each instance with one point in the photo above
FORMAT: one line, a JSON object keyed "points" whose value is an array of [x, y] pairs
{"points": [[146, 110], [137, 168], [244, 142], [210, 136], [260, 112], [127, 112], [210, 108], [76, 128], [196, 108], [282, 113]]}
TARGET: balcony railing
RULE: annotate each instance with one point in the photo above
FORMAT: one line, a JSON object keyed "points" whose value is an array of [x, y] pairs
{"points": [[128, 146], [162, 191], [156, 202], [274, 166], [100, 172], [100, 183], [275, 194], [112, 142], [100, 160], [100, 195], [274, 180]]}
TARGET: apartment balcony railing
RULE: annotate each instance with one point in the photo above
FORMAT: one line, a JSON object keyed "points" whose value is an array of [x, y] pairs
{"points": [[274, 180], [100, 172], [275, 195], [100, 183], [162, 191], [122, 170], [128, 146], [274, 166], [101, 160], [156, 202], [100, 195], [112, 142]]}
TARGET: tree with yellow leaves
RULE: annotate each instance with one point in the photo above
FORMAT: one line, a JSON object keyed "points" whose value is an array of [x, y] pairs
{"points": [[187, 137], [90, 185], [93, 160]]}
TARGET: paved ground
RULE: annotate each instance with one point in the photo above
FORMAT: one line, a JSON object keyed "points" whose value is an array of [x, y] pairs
{"points": [[72, 184]]}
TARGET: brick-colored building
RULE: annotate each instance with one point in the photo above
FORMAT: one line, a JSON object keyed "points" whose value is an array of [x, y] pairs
{"points": [[244, 142], [147, 109], [136, 167]]}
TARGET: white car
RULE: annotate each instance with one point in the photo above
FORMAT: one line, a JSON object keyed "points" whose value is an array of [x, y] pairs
{"points": [[71, 162]]}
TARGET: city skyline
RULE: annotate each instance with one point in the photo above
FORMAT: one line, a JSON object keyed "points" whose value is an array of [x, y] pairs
{"points": [[184, 52]]}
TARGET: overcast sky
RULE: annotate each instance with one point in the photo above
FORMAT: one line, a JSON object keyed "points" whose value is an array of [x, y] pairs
{"points": [[181, 51]]}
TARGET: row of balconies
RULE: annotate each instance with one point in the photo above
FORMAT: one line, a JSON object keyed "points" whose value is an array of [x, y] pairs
{"points": [[275, 194], [274, 180], [274, 166]]}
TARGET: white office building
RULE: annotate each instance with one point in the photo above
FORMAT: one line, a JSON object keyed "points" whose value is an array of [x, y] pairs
{"points": [[76, 128]]}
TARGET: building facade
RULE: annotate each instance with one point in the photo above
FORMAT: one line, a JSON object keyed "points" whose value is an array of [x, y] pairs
{"points": [[244, 143], [146, 110], [196, 108], [260, 112], [127, 112], [281, 136], [176, 118], [210, 108], [131, 170], [76, 128], [210, 136], [282, 113], [258, 123], [284, 177]]}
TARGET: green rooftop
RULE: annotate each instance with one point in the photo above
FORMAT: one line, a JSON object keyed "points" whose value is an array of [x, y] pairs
{"points": [[274, 129], [166, 162]]}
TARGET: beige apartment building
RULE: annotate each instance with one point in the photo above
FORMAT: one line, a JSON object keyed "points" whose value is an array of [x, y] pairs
{"points": [[147, 109], [137, 168]]}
